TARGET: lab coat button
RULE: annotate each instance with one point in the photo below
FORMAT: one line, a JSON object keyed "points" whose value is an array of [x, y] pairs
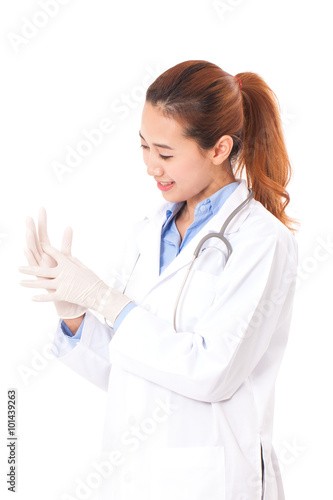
{"points": [[202, 208]]}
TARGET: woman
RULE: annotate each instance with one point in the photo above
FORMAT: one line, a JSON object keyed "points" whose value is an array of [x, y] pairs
{"points": [[194, 362]]}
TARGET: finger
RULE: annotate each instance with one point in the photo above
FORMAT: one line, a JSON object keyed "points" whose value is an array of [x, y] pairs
{"points": [[39, 283], [30, 257], [50, 297], [32, 245], [31, 227], [43, 272], [58, 256], [66, 245], [42, 227]]}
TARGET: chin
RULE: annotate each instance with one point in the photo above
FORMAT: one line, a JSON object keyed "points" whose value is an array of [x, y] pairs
{"points": [[172, 197]]}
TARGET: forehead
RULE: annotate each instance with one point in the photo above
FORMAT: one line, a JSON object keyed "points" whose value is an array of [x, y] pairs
{"points": [[158, 128]]}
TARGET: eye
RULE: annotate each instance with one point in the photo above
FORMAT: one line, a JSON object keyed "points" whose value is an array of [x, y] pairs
{"points": [[143, 146]]}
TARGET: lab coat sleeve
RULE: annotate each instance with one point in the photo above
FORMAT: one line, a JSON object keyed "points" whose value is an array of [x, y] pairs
{"points": [[253, 304], [89, 355], [122, 315]]}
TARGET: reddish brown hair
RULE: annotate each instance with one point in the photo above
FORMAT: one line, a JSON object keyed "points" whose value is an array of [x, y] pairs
{"points": [[210, 103]]}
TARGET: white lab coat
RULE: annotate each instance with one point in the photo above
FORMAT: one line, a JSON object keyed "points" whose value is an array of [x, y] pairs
{"points": [[190, 414]]}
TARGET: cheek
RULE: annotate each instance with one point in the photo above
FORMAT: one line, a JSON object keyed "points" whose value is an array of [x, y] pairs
{"points": [[182, 170], [192, 173]]}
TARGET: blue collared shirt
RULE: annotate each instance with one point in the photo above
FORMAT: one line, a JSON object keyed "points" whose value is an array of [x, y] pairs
{"points": [[171, 245]]}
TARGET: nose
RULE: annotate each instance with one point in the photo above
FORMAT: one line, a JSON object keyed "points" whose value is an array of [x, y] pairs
{"points": [[153, 168]]}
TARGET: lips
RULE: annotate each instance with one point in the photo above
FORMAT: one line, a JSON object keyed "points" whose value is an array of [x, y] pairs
{"points": [[165, 186]]}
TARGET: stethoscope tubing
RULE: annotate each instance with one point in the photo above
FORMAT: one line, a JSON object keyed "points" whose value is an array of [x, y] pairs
{"points": [[219, 235]]}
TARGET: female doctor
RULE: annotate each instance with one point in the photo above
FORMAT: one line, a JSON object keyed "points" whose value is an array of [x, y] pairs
{"points": [[188, 339]]}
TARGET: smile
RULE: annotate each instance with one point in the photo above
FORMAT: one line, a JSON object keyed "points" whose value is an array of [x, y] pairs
{"points": [[165, 186]]}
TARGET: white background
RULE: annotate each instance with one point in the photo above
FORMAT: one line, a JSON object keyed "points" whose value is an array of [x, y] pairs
{"points": [[89, 58]]}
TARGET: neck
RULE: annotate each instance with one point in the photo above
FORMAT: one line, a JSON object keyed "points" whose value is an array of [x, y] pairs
{"points": [[187, 211]]}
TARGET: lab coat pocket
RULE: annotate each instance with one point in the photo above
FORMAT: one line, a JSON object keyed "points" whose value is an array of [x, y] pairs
{"points": [[191, 473]]}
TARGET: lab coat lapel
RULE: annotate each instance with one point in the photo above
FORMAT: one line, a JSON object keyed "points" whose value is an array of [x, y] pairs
{"points": [[214, 225], [147, 269]]}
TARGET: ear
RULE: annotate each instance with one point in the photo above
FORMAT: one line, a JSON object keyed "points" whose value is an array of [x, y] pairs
{"points": [[222, 149]]}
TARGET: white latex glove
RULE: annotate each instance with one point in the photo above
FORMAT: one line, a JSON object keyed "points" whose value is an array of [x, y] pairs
{"points": [[71, 281], [37, 257]]}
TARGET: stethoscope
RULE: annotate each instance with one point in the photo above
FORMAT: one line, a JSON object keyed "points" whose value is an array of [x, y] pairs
{"points": [[219, 235]]}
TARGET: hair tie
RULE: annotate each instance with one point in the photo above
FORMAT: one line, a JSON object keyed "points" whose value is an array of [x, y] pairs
{"points": [[240, 83]]}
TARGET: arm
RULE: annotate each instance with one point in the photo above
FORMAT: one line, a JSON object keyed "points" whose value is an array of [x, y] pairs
{"points": [[74, 324], [90, 360], [253, 304], [81, 340], [87, 355], [87, 352]]}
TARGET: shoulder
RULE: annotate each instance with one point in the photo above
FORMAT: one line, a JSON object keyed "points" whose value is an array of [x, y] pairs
{"points": [[263, 225]]}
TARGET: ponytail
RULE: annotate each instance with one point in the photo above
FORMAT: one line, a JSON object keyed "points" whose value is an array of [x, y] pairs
{"points": [[210, 103], [263, 154]]}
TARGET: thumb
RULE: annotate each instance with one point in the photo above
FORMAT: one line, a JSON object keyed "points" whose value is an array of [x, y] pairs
{"points": [[66, 245]]}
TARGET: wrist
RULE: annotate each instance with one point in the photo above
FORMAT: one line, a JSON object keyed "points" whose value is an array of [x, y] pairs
{"points": [[111, 303], [74, 323]]}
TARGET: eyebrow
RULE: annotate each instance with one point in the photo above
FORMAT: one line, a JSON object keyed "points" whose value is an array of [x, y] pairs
{"points": [[165, 146]]}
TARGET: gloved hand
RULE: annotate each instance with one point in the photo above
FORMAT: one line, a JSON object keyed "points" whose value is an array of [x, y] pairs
{"points": [[37, 257], [71, 281]]}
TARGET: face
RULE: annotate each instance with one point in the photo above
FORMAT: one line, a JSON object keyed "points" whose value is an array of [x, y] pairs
{"points": [[181, 171]]}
